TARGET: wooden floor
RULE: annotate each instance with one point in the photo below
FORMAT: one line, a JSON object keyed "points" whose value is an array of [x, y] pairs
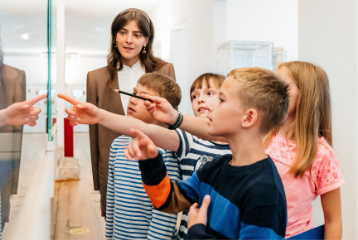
{"points": [[76, 206], [29, 162]]}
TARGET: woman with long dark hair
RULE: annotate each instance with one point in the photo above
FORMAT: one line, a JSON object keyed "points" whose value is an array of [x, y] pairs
{"points": [[130, 57]]}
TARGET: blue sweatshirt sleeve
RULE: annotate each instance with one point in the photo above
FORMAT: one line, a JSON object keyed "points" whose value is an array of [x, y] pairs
{"points": [[261, 223]]}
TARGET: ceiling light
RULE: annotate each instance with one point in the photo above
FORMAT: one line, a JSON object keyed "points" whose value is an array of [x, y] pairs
{"points": [[25, 36]]}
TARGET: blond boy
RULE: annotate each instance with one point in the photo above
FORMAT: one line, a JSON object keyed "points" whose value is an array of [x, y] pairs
{"points": [[247, 196], [192, 151]]}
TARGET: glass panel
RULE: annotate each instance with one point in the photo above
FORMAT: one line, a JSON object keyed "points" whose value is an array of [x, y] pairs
{"points": [[23, 76], [279, 56], [49, 64], [244, 54]]}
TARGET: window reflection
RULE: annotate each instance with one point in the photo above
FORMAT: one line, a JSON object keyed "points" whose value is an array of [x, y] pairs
{"points": [[12, 90]]}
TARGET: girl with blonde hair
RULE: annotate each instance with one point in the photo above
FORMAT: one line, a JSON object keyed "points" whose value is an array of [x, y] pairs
{"points": [[301, 148]]}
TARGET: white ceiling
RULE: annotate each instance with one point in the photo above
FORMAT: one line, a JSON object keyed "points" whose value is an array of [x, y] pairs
{"points": [[87, 23]]}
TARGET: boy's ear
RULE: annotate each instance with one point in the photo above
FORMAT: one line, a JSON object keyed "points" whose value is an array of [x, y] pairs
{"points": [[250, 118]]}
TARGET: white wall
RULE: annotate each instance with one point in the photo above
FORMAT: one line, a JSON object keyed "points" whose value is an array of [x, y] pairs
{"points": [[191, 22], [179, 60], [76, 71], [200, 40], [261, 20], [220, 22], [155, 16], [166, 16], [328, 37]]}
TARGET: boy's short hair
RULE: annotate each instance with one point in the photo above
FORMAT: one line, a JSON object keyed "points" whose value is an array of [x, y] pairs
{"points": [[217, 79], [262, 89], [164, 85]]}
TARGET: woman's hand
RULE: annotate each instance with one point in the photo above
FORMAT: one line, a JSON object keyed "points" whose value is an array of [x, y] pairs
{"points": [[199, 216], [160, 109], [81, 113], [22, 113], [141, 148]]}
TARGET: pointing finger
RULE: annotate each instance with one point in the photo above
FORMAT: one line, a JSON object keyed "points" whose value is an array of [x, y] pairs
{"points": [[69, 99], [36, 99]]}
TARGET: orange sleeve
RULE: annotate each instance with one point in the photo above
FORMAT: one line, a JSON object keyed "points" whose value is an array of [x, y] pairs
{"points": [[159, 194], [164, 194]]}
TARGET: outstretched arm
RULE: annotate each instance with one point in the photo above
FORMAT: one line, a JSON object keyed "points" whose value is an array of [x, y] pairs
{"points": [[86, 113], [21, 113], [162, 110], [166, 196]]}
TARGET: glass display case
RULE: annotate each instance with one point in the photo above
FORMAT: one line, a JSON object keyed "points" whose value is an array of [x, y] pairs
{"points": [[279, 56], [238, 54]]}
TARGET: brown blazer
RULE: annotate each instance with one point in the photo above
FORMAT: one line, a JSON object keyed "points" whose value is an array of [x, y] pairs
{"points": [[12, 90], [101, 138]]}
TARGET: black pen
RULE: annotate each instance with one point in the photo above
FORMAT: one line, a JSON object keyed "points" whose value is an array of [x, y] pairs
{"points": [[132, 95]]}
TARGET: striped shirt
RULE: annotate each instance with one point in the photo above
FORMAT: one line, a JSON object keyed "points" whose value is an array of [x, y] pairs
{"points": [[130, 213], [192, 154]]}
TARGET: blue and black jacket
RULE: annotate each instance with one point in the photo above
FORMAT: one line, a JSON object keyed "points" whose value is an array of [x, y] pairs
{"points": [[247, 202]]}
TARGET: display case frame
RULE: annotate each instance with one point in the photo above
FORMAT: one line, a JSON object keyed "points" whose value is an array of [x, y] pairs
{"points": [[262, 55]]}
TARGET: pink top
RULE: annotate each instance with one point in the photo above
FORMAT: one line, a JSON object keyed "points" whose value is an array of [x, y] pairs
{"points": [[300, 192]]}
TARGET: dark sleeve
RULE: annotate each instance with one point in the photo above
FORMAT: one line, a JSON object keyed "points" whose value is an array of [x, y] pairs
{"points": [[264, 212], [167, 196], [198, 231], [93, 132], [262, 223]]}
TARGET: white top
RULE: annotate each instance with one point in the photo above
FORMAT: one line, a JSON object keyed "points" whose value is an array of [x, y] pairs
{"points": [[127, 80]]}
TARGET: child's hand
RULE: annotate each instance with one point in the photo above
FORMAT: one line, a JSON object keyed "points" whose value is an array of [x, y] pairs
{"points": [[141, 148], [199, 216], [23, 112], [160, 109], [81, 113]]}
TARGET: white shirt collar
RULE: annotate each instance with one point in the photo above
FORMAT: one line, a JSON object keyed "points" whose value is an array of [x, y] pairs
{"points": [[133, 67]]}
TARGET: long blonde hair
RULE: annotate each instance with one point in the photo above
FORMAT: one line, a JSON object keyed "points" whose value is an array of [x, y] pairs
{"points": [[313, 114]]}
